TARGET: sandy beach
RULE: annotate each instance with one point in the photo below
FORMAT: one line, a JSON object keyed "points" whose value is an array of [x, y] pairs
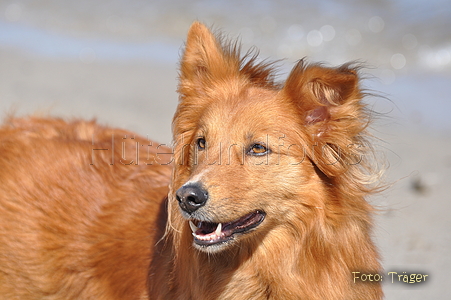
{"points": [[133, 86]]}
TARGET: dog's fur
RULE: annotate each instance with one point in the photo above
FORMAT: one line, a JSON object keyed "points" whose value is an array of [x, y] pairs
{"points": [[83, 213]]}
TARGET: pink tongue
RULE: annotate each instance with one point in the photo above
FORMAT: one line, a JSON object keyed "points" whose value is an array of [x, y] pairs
{"points": [[205, 235]]}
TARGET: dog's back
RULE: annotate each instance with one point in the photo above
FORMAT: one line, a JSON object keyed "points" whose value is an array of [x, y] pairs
{"points": [[78, 208]]}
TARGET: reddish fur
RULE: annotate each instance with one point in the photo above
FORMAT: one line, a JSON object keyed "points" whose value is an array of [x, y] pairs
{"points": [[71, 230], [68, 229]]}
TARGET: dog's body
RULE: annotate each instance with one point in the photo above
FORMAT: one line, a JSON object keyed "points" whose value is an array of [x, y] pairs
{"points": [[76, 222], [266, 199]]}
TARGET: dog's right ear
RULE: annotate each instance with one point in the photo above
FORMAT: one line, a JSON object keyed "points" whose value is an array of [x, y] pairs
{"points": [[204, 61]]}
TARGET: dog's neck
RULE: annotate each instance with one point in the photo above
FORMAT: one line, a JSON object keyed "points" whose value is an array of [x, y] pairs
{"points": [[275, 268], [221, 275]]}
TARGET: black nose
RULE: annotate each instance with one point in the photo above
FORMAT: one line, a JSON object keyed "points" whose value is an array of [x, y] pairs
{"points": [[191, 197]]}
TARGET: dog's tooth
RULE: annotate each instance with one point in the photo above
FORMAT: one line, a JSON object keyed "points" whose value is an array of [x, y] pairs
{"points": [[192, 226], [218, 230]]}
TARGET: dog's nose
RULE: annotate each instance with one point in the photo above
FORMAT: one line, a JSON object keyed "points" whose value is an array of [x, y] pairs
{"points": [[191, 197]]}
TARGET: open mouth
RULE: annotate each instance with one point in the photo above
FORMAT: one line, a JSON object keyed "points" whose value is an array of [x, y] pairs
{"points": [[208, 233]]}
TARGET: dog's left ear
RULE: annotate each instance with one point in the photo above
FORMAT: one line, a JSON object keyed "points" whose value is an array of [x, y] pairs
{"points": [[324, 96], [329, 103]]}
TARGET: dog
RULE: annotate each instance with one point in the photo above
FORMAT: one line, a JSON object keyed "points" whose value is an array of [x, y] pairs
{"points": [[261, 197]]}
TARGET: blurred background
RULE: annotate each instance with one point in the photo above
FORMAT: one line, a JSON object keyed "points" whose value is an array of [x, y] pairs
{"points": [[117, 61]]}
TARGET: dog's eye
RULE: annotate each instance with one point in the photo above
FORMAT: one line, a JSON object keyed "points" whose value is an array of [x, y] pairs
{"points": [[258, 149], [201, 143]]}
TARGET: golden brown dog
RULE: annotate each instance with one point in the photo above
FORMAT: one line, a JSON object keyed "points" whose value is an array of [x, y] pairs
{"points": [[266, 197]]}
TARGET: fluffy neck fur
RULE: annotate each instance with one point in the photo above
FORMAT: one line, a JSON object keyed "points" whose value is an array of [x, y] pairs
{"points": [[324, 252]]}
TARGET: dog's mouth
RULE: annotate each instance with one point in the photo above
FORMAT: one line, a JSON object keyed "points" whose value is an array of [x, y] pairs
{"points": [[209, 234]]}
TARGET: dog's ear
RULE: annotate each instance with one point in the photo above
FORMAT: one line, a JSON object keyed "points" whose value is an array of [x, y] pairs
{"points": [[329, 103], [321, 93], [204, 60]]}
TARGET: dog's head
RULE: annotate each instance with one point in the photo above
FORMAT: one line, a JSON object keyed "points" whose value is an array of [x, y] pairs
{"points": [[253, 156]]}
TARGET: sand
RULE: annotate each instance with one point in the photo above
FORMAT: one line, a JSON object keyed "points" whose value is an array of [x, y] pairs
{"points": [[412, 228]]}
